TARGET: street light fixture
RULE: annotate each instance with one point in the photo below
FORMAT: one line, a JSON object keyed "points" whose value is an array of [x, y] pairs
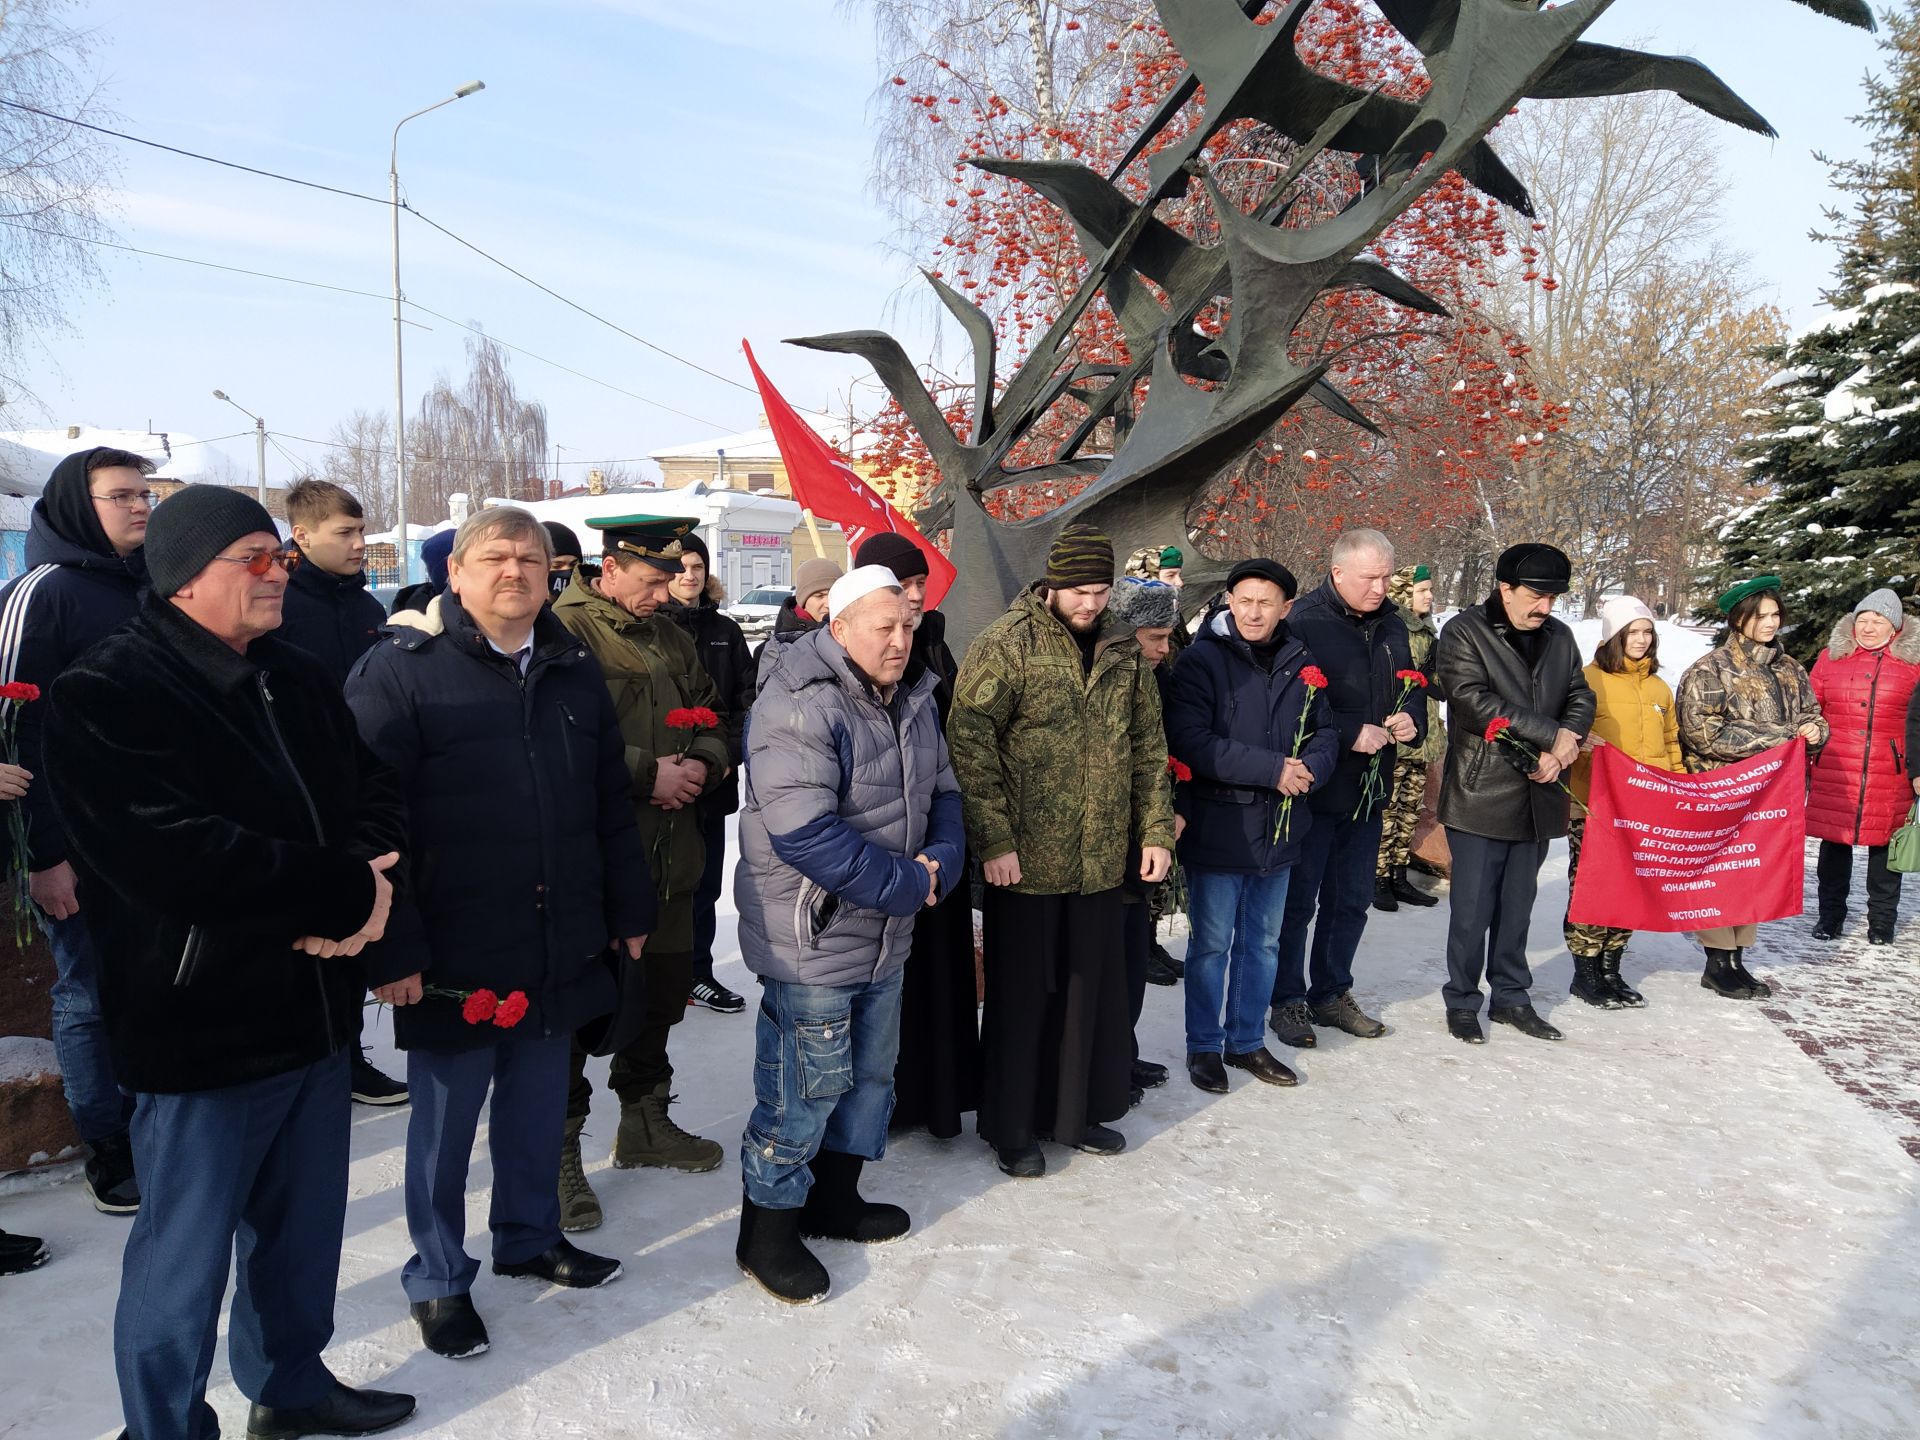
{"points": [[399, 385], [259, 439]]}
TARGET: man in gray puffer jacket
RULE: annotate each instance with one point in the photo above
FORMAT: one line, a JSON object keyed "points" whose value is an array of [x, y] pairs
{"points": [[850, 824]]}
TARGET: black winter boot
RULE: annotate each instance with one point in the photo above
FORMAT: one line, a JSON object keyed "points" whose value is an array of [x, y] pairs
{"points": [[1589, 986], [1761, 990], [1408, 893], [1722, 978], [771, 1253], [1383, 896], [836, 1211], [1610, 977]]}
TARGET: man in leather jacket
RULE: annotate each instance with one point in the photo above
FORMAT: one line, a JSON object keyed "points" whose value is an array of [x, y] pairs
{"points": [[1502, 800]]}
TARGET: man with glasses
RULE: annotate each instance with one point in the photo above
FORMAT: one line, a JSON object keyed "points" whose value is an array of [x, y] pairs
{"points": [[83, 582], [236, 846], [330, 614]]}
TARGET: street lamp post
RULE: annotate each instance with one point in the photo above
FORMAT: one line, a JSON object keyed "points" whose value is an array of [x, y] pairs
{"points": [[259, 441], [399, 385]]}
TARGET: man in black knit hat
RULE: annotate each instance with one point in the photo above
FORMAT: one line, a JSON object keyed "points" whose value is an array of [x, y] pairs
{"points": [[234, 841], [83, 581], [1056, 740]]}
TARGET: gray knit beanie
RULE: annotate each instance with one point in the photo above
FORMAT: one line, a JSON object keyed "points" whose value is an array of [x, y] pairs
{"points": [[1144, 604], [1880, 602], [193, 525]]}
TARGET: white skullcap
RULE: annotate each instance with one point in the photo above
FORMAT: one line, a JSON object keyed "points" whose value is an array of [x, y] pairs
{"points": [[857, 583]]}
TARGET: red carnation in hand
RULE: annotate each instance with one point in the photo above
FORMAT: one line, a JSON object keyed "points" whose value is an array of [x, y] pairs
{"points": [[696, 717], [512, 1010], [19, 691], [1411, 677], [1313, 677], [1495, 726], [479, 1007], [1178, 770]]}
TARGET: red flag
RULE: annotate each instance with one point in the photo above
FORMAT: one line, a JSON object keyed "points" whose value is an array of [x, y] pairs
{"points": [[826, 485]]}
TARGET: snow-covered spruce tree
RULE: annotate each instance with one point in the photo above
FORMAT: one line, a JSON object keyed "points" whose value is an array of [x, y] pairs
{"points": [[1840, 463]]}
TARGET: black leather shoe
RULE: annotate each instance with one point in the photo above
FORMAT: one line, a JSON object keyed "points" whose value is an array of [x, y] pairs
{"points": [[451, 1327], [566, 1264], [1292, 1024], [1828, 929], [1262, 1066], [1022, 1163], [21, 1253], [1147, 1075], [1465, 1025], [1098, 1140], [1208, 1071], [1723, 977], [1162, 968], [373, 1086], [1408, 893], [344, 1412], [1526, 1020]]}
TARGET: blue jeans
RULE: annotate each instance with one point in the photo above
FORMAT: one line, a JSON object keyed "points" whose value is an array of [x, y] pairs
{"points": [[525, 1125], [259, 1169], [1332, 891], [1235, 948], [80, 1032], [823, 1058]]}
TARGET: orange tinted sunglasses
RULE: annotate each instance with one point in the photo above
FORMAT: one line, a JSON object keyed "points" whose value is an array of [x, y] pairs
{"points": [[262, 561]]}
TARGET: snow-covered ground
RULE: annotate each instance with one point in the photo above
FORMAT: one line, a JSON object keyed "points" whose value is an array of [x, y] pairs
{"points": [[1674, 1224]]}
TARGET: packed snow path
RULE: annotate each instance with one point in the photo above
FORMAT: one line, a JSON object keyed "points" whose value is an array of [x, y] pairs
{"points": [[1674, 1224]]}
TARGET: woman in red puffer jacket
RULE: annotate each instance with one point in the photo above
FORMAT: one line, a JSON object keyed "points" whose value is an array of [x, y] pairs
{"points": [[1865, 780]]}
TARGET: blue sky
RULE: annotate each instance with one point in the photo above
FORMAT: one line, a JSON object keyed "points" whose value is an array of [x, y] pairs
{"points": [[695, 173]]}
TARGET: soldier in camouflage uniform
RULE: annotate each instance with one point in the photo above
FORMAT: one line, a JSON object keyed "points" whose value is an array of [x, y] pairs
{"points": [[651, 669], [1056, 740], [1412, 591]]}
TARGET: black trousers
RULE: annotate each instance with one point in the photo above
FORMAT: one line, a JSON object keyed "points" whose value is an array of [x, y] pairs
{"points": [[1835, 869], [644, 1063], [706, 897], [1137, 932], [1492, 892], [1055, 1040]]}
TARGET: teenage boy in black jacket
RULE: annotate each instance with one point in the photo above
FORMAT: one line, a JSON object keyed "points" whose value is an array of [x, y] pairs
{"points": [[84, 580], [234, 841]]}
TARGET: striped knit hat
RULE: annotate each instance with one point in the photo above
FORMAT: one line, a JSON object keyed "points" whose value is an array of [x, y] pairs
{"points": [[1081, 555]]}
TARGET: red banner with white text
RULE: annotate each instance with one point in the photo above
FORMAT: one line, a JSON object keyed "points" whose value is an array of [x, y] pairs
{"points": [[1693, 852]]}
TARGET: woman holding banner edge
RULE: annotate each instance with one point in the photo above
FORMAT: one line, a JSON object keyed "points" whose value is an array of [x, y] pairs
{"points": [[1739, 699], [1633, 711]]}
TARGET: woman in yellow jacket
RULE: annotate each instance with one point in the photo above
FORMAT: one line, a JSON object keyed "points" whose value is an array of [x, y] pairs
{"points": [[1635, 712]]}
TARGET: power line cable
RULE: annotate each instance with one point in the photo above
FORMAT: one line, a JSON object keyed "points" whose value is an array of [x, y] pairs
{"points": [[191, 154]]}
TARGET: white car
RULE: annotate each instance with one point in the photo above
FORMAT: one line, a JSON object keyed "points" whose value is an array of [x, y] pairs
{"points": [[755, 611]]}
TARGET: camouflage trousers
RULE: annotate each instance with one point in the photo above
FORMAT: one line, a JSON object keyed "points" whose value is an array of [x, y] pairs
{"points": [[1586, 941], [1402, 814]]}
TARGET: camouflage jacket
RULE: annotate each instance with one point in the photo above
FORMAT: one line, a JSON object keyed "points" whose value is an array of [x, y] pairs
{"points": [[1741, 699], [1063, 767], [651, 669], [1421, 637]]}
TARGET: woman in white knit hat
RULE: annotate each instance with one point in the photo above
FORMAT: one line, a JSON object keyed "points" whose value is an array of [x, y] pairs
{"points": [[1635, 712]]}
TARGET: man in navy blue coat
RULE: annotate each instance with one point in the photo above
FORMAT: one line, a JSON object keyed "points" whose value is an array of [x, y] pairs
{"points": [[499, 725], [1361, 642], [85, 578], [1240, 717]]}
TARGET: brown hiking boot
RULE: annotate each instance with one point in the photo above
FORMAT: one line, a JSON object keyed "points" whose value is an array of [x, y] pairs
{"points": [[648, 1137], [579, 1206], [1343, 1012]]}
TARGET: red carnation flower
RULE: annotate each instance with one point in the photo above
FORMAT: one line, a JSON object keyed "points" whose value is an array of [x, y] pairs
{"points": [[1313, 677], [19, 691], [512, 1010], [1495, 726], [1178, 770], [479, 1007], [1411, 677], [696, 717]]}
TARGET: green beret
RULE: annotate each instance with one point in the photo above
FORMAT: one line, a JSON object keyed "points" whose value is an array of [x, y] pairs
{"points": [[1421, 573], [1171, 558], [1745, 588]]}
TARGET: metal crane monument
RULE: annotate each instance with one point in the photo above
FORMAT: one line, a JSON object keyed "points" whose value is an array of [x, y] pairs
{"points": [[1482, 57]]}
